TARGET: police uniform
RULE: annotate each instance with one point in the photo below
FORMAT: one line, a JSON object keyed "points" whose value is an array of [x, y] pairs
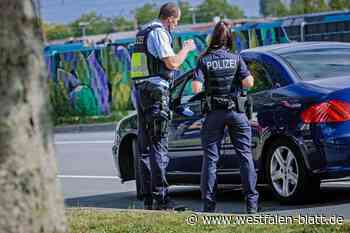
{"points": [[151, 81], [223, 72]]}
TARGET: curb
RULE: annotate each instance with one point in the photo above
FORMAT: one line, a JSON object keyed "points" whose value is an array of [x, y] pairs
{"points": [[103, 127]]}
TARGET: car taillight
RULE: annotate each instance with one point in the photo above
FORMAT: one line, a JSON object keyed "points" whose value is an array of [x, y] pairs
{"points": [[330, 111]]}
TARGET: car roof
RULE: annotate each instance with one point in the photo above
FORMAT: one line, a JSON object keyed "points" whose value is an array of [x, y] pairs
{"points": [[295, 46]]}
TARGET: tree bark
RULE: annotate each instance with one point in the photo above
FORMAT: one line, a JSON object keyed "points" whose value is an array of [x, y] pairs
{"points": [[30, 199]]}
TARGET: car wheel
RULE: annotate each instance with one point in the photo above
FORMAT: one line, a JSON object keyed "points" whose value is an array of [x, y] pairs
{"points": [[287, 174], [137, 169]]}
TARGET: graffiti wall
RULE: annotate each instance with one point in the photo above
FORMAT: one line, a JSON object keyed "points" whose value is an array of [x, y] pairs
{"points": [[89, 82], [95, 81]]}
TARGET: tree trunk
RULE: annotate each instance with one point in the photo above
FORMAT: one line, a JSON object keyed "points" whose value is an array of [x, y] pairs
{"points": [[30, 200]]}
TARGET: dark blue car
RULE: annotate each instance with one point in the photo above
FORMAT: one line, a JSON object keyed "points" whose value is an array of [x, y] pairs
{"points": [[300, 123]]}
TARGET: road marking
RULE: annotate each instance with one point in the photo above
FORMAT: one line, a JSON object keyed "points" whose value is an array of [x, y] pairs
{"points": [[89, 177], [337, 183], [82, 142]]}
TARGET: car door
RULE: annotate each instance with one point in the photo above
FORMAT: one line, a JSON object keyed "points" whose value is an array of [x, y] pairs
{"points": [[185, 148], [261, 97]]}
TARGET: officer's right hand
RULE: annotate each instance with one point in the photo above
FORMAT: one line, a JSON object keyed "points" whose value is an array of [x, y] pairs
{"points": [[189, 45]]}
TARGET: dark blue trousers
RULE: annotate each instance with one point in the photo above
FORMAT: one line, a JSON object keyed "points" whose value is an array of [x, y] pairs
{"points": [[240, 133], [153, 156]]}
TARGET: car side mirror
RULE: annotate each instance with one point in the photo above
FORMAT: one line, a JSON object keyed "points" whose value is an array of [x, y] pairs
{"points": [[174, 103], [276, 85], [184, 110]]}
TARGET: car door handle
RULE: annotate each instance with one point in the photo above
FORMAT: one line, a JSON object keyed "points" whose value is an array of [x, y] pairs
{"points": [[269, 104], [287, 104]]}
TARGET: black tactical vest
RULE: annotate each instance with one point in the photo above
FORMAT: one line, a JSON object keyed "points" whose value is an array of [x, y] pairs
{"points": [[220, 68], [155, 65]]}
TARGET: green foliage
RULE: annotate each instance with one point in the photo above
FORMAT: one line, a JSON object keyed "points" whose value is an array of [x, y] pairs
{"points": [[186, 14], [57, 31], [122, 24], [297, 7], [211, 8], [273, 8], [307, 6], [97, 24], [206, 11], [339, 4], [146, 13]]}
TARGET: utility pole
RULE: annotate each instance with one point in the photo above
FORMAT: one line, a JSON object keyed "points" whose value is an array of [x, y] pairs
{"points": [[133, 13], [83, 26], [193, 11]]}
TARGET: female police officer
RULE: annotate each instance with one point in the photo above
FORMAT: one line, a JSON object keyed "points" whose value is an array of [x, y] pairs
{"points": [[225, 74]]}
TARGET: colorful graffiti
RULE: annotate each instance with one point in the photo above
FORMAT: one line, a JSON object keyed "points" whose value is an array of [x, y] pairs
{"points": [[95, 81], [87, 81]]}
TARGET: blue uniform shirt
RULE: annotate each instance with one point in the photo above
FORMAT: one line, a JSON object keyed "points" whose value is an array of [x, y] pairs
{"points": [[242, 70], [159, 42]]}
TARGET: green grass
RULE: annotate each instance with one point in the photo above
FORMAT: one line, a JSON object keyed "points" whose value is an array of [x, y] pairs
{"points": [[73, 120], [109, 221]]}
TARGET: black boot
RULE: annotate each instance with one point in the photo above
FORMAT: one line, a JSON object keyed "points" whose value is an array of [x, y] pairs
{"points": [[252, 209], [148, 203], [209, 207], [168, 204]]}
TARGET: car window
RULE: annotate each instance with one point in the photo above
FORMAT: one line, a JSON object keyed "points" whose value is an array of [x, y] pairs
{"points": [[176, 91], [187, 92], [315, 64], [179, 85], [262, 80], [275, 73]]}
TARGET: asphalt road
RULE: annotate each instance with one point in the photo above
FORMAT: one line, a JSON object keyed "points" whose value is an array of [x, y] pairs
{"points": [[87, 176]]}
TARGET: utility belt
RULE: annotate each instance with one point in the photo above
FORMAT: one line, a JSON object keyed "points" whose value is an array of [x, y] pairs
{"points": [[157, 129], [154, 97], [228, 102], [155, 79]]}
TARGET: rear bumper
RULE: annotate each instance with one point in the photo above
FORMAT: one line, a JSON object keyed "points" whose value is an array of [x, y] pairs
{"points": [[334, 145], [337, 156]]}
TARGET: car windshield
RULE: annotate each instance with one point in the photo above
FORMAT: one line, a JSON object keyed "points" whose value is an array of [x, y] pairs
{"points": [[320, 63]]}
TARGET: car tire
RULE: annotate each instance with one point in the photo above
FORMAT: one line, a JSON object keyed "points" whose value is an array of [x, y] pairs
{"points": [[290, 182], [137, 168]]}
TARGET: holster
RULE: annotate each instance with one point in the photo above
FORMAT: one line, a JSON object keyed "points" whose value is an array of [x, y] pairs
{"points": [[219, 103], [249, 108], [154, 101], [241, 103], [157, 129]]}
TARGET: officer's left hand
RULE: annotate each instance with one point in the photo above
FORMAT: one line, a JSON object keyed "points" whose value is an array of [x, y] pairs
{"points": [[189, 44]]}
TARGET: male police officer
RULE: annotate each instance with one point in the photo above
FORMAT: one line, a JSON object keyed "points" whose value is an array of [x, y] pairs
{"points": [[224, 75], [153, 67]]}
